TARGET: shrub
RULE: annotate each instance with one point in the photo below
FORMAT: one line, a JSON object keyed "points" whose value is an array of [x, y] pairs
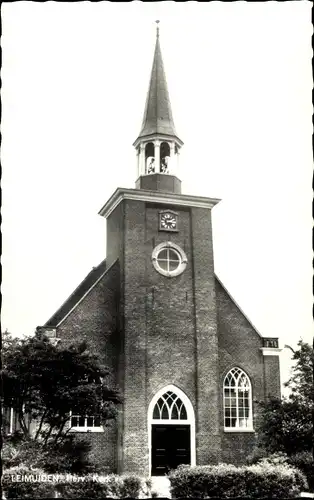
{"points": [[71, 456], [114, 484], [94, 486], [131, 486], [279, 458], [256, 455], [126, 486], [305, 463], [19, 452], [85, 486], [88, 486], [25, 489], [260, 455], [9, 455], [273, 481], [205, 481], [256, 481]]}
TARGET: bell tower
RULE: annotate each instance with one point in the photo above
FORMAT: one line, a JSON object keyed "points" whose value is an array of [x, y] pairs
{"points": [[158, 146], [161, 241], [185, 358]]}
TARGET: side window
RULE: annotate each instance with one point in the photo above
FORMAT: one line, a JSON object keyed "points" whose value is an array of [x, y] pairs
{"points": [[237, 394], [84, 423]]}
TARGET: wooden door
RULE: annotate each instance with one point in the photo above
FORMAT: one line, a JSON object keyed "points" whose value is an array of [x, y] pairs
{"points": [[171, 446]]}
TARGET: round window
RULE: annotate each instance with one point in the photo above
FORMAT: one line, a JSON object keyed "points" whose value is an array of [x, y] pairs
{"points": [[169, 259]]}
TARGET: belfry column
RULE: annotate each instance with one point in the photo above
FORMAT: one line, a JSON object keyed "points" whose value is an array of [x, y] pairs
{"points": [[138, 163], [177, 160], [142, 160], [172, 166], [157, 156]]}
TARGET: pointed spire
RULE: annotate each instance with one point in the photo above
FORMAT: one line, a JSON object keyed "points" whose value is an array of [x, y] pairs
{"points": [[157, 28], [158, 146], [158, 114]]}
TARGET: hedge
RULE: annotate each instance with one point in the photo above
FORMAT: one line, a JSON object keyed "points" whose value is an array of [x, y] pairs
{"points": [[14, 487], [70, 456], [88, 486], [224, 481], [304, 461], [94, 486]]}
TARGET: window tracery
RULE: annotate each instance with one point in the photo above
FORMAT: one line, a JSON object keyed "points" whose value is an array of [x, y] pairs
{"points": [[169, 407], [237, 400]]}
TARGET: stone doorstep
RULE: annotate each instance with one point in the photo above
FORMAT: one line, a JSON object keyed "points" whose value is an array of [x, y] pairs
{"points": [[161, 485]]}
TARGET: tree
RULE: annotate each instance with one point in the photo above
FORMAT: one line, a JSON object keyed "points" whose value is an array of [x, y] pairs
{"points": [[45, 382], [301, 381], [287, 424]]}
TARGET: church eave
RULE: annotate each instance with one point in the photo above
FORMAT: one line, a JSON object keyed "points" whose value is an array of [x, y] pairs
{"points": [[79, 294], [156, 197], [157, 135], [238, 307]]}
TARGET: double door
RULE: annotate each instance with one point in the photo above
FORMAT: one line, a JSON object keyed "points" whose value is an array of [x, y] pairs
{"points": [[171, 446]]}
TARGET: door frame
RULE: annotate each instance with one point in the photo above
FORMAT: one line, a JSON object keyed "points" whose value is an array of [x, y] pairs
{"points": [[190, 421]]}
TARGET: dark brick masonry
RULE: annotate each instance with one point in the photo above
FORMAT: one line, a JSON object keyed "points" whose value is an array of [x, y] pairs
{"points": [[153, 331]]}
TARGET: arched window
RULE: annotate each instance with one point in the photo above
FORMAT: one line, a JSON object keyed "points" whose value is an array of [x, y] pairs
{"points": [[237, 400], [169, 407]]}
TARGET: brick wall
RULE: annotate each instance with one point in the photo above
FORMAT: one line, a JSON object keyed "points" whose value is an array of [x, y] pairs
{"points": [[104, 447], [134, 415], [95, 321], [208, 437], [169, 312], [115, 251], [272, 377], [170, 328], [239, 345], [115, 235], [184, 330]]}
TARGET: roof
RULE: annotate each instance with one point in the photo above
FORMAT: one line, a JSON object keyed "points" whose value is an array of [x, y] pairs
{"points": [[237, 306], [78, 293], [158, 114], [165, 198], [90, 280]]}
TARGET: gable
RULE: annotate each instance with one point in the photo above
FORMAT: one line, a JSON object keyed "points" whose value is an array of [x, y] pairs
{"points": [[83, 288], [230, 315]]}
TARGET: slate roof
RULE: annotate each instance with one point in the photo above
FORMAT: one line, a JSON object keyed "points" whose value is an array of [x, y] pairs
{"points": [[78, 293], [158, 114]]}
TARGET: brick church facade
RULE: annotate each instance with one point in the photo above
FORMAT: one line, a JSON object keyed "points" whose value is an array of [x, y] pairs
{"points": [[187, 361]]}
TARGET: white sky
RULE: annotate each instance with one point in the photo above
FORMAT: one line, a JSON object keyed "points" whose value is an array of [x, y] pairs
{"points": [[75, 77]]}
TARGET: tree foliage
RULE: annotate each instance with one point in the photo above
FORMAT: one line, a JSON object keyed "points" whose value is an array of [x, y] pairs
{"points": [[301, 381], [44, 382], [286, 424]]}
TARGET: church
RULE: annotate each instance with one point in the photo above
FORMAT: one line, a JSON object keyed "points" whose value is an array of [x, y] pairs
{"points": [[187, 361]]}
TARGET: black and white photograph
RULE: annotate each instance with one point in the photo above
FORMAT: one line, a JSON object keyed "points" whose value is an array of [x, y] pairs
{"points": [[157, 330]]}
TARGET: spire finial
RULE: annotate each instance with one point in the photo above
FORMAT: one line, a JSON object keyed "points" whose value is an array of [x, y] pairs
{"points": [[157, 29]]}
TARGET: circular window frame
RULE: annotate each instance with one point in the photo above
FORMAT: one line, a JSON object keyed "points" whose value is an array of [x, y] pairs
{"points": [[183, 259]]}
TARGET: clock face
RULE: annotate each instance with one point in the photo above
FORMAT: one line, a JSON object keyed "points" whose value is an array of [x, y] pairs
{"points": [[168, 221]]}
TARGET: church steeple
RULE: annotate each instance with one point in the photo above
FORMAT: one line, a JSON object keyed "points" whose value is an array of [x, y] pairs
{"points": [[158, 144], [157, 117]]}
